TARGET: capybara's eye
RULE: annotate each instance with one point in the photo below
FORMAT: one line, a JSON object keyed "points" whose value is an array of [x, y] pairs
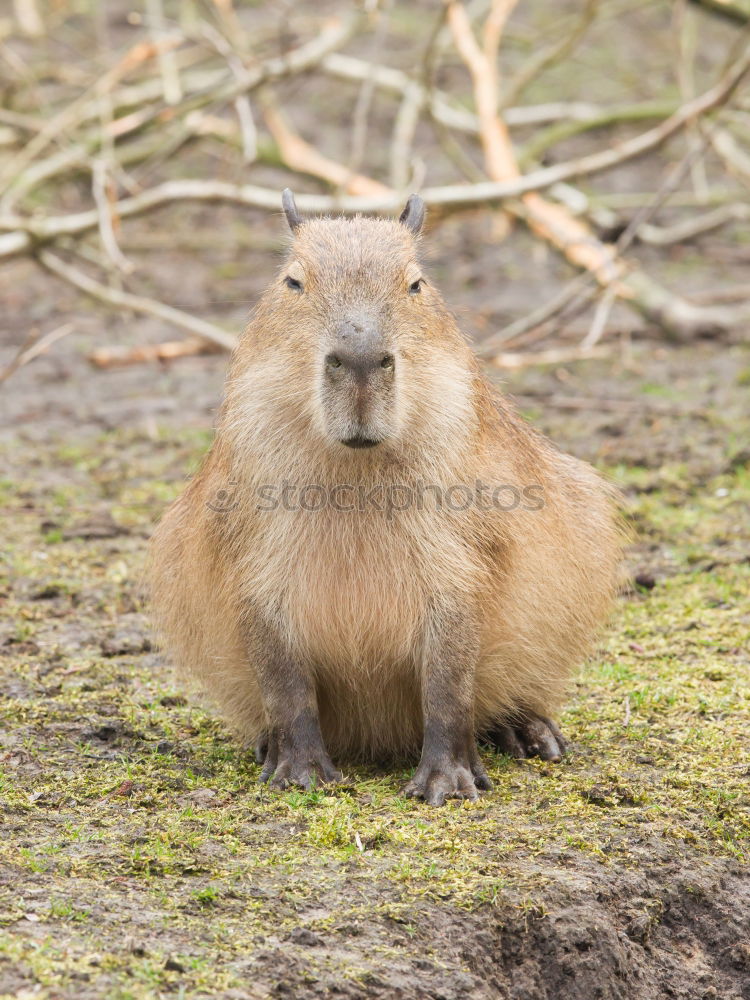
{"points": [[387, 362], [293, 283], [333, 362], [415, 287]]}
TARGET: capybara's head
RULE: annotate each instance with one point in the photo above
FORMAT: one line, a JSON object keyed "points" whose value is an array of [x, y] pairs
{"points": [[356, 288], [352, 348]]}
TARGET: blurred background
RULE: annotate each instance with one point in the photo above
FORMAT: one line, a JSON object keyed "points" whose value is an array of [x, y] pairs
{"points": [[143, 149]]}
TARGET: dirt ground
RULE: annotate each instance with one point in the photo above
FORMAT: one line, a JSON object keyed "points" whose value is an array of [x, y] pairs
{"points": [[140, 859]]}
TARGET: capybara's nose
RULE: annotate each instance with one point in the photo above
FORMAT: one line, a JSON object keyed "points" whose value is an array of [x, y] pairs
{"points": [[359, 350], [362, 364]]}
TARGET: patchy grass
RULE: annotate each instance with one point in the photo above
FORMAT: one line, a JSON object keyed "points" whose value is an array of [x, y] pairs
{"points": [[141, 857]]}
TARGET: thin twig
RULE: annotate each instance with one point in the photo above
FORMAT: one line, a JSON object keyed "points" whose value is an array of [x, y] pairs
{"points": [[167, 65], [222, 89], [513, 331], [301, 156], [681, 232], [348, 67], [106, 222], [735, 159], [554, 356], [604, 404], [434, 102], [403, 136], [242, 102], [139, 304], [119, 356], [555, 52], [70, 114], [566, 128], [33, 346], [366, 92], [686, 41], [601, 316]]}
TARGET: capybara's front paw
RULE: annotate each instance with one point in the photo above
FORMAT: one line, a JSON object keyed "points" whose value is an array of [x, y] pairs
{"points": [[437, 779], [536, 736], [288, 764]]}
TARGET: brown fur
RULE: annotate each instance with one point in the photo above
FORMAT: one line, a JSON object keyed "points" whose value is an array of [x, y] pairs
{"points": [[349, 592]]}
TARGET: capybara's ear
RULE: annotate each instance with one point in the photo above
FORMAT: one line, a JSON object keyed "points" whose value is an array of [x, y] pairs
{"points": [[413, 215], [290, 209]]}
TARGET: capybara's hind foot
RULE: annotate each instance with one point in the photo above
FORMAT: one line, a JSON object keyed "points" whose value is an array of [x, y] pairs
{"points": [[536, 736]]}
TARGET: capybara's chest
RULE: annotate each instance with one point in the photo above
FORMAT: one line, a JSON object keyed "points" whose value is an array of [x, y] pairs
{"points": [[356, 591]]}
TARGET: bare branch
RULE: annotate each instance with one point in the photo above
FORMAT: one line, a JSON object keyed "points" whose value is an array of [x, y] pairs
{"points": [[735, 159], [403, 135], [726, 8], [554, 356], [363, 103], [105, 216], [348, 67], [537, 317], [554, 222], [168, 350], [139, 304], [601, 317], [71, 113], [568, 127], [553, 53], [167, 65], [681, 232], [300, 155], [32, 347], [87, 107]]}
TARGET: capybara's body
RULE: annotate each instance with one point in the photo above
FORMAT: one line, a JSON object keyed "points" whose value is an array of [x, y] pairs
{"points": [[367, 530]]}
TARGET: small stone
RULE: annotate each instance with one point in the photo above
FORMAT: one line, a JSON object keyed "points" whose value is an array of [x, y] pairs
{"points": [[201, 797], [598, 795], [101, 525], [305, 937]]}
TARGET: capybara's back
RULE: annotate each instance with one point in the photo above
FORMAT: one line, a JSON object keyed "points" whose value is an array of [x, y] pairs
{"points": [[378, 554]]}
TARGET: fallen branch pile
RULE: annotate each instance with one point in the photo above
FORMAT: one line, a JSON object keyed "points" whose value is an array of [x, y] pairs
{"points": [[185, 83]]}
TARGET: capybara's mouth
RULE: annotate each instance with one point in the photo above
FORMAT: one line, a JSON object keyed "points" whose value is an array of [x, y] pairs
{"points": [[360, 442]]}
